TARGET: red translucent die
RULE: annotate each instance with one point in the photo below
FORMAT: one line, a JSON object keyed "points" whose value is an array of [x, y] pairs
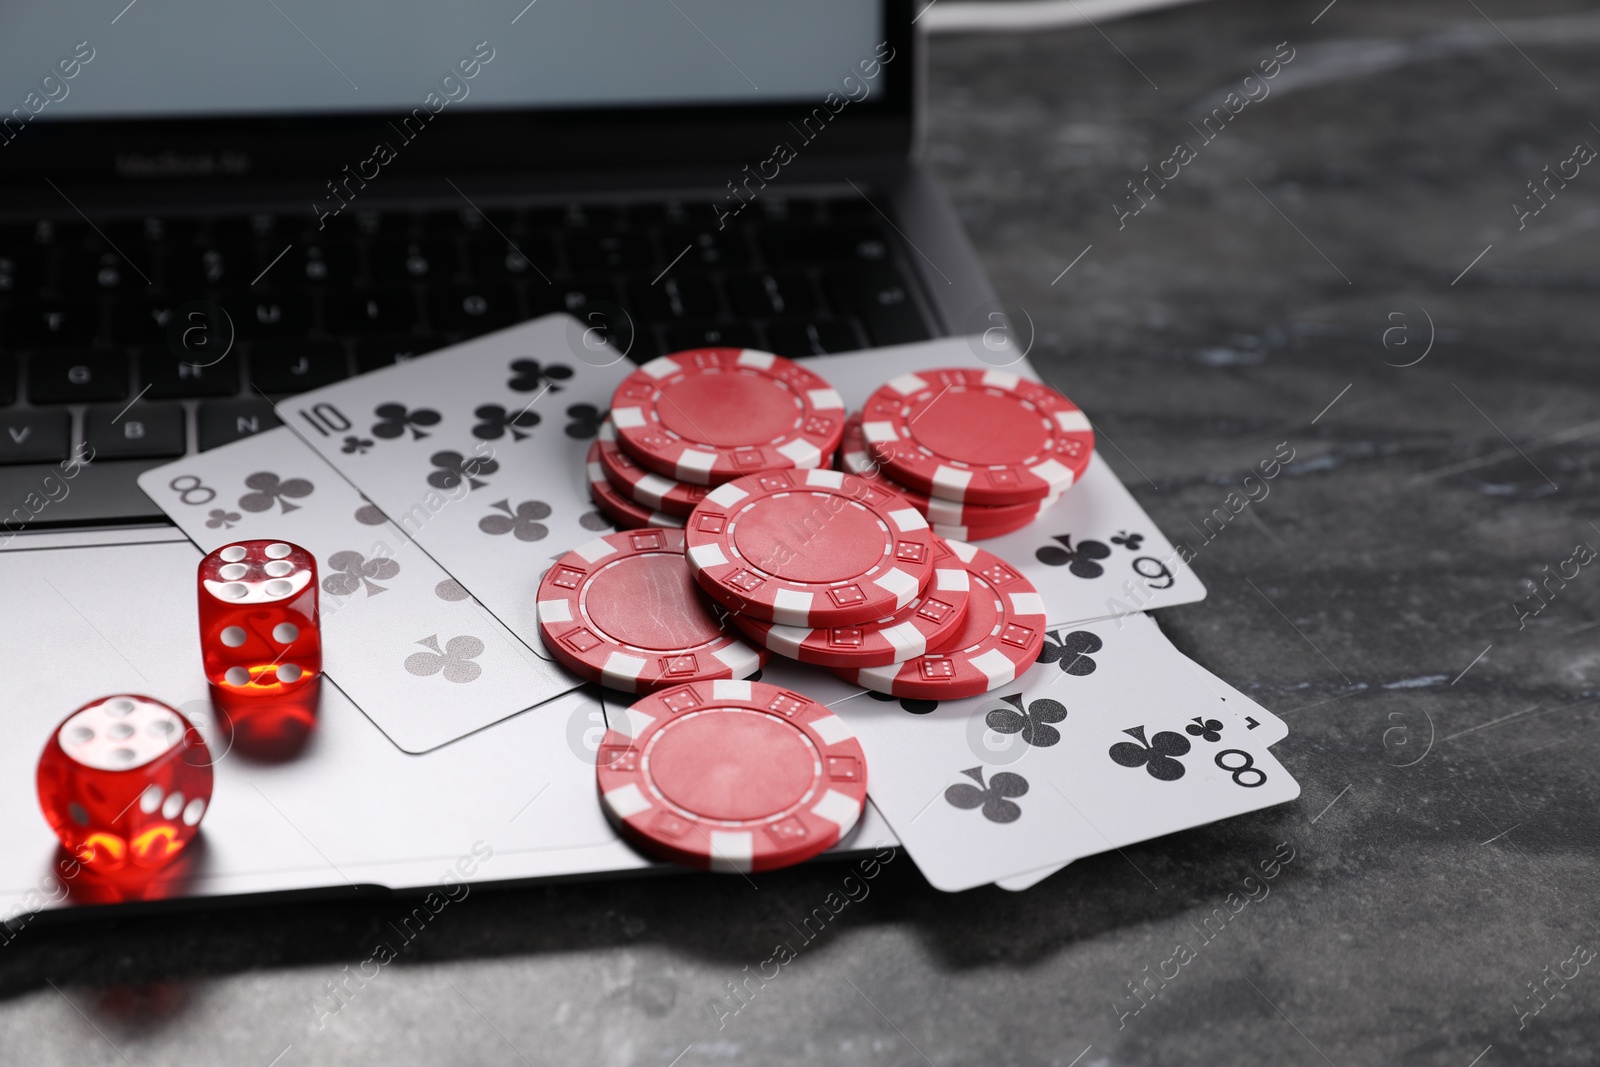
{"points": [[125, 780], [260, 638]]}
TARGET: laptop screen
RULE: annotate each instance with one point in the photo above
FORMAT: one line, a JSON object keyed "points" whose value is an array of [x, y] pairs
{"points": [[177, 59]]}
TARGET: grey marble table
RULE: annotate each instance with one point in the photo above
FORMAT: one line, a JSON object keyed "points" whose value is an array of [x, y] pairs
{"points": [[1342, 268]]}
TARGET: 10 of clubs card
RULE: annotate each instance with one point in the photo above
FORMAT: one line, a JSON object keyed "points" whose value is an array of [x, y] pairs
{"points": [[478, 453], [1110, 739], [400, 636]]}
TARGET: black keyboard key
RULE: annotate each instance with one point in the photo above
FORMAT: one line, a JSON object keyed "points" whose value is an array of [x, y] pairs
{"points": [[329, 260], [677, 296], [375, 353], [191, 269], [783, 208], [704, 246], [470, 220], [136, 321], [278, 367], [812, 337], [77, 377], [574, 217], [34, 436], [222, 422], [244, 230], [173, 376], [45, 233], [371, 311], [796, 245], [8, 379], [683, 335], [280, 314], [882, 300], [472, 308], [851, 209], [50, 323], [779, 292], [132, 234], [100, 270], [601, 252], [21, 269], [433, 259], [493, 257], [672, 213], [367, 224], [571, 296], [115, 432]]}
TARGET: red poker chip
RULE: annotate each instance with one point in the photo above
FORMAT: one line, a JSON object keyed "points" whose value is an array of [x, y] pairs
{"points": [[949, 518], [710, 415], [644, 487], [622, 610], [1000, 638], [924, 623], [731, 776], [977, 436], [809, 548], [624, 513]]}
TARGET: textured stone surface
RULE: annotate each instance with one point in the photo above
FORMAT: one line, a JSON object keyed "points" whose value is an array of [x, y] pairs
{"points": [[1351, 600]]}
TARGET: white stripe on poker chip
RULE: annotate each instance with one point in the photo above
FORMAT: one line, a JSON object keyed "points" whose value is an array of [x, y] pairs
{"points": [[908, 519], [994, 666], [597, 474], [964, 551], [790, 607], [702, 557], [1027, 603], [627, 801], [950, 533], [898, 582], [802, 453], [878, 433], [555, 611], [878, 679], [1073, 422], [622, 671], [786, 640], [631, 722], [732, 851], [832, 729], [838, 808], [825, 399], [726, 495], [594, 550], [907, 384], [906, 640], [730, 689], [754, 357], [857, 462], [661, 367], [1056, 474], [740, 659], [652, 489], [947, 512], [627, 418], [1000, 379], [825, 479], [693, 464], [951, 482], [608, 430], [951, 578]]}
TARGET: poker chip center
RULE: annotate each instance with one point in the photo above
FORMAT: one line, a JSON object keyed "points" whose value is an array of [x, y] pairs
{"points": [[979, 428], [654, 601], [727, 410], [732, 765], [810, 537]]}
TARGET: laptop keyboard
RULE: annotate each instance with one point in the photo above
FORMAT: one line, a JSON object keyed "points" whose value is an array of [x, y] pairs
{"points": [[107, 336]]}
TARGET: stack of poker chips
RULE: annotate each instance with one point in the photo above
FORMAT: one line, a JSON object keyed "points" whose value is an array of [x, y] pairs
{"points": [[981, 453]]}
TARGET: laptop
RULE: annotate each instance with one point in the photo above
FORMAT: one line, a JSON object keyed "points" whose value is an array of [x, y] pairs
{"points": [[208, 209]]}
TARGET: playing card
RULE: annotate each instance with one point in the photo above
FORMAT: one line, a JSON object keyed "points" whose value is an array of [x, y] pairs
{"points": [[1108, 740], [1095, 553], [1261, 723], [478, 453], [409, 646]]}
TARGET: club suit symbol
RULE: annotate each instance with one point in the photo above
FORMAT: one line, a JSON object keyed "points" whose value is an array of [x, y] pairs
{"points": [[267, 489], [1035, 722], [994, 798], [395, 419], [353, 571], [1158, 756], [454, 661], [1071, 651], [1080, 561]]}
